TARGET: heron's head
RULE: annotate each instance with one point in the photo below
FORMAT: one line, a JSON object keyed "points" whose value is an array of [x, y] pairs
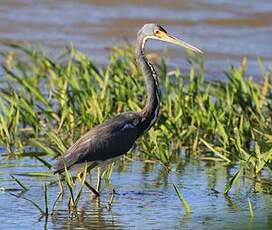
{"points": [[153, 31]]}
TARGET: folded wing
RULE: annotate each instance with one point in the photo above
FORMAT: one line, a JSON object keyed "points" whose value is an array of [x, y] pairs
{"points": [[108, 140]]}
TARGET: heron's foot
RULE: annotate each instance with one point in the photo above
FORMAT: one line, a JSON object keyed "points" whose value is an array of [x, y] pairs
{"points": [[95, 197], [109, 206], [93, 190]]}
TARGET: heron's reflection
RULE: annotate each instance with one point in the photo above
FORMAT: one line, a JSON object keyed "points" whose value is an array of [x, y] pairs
{"points": [[92, 214]]}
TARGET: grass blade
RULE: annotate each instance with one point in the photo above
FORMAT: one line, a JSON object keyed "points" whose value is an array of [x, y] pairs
{"points": [[31, 201], [69, 182], [46, 199], [209, 146], [81, 186], [43, 161], [19, 183], [231, 182], [251, 212], [182, 199]]}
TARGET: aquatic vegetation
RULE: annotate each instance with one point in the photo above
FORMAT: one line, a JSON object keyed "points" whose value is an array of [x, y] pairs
{"points": [[74, 199], [48, 103], [251, 212], [232, 181], [182, 199], [19, 183], [43, 211]]}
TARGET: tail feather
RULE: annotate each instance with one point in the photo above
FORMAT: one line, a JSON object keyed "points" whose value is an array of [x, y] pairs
{"points": [[64, 161]]}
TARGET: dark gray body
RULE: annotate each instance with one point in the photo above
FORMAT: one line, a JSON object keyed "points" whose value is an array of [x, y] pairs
{"points": [[103, 142], [116, 136]]}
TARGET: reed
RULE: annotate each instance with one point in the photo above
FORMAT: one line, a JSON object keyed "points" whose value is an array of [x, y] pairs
{"points": [[48, 103]]}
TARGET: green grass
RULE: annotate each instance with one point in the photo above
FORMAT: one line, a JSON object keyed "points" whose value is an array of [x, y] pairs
{"points": [[19, 183], [49, 103], [251, 212], [182, 200], [43, 211]]}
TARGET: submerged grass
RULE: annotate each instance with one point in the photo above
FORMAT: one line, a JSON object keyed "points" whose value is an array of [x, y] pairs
{"points": [[48, 103]]}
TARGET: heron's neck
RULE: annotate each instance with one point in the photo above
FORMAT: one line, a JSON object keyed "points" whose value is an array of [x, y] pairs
{"points": [[151, 109]]}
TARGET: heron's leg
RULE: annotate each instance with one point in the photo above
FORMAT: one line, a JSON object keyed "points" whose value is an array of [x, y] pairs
{"points": [[99, 175], [90, 167], [94, 191], [61, 192], [111, 199], [80, 177]]}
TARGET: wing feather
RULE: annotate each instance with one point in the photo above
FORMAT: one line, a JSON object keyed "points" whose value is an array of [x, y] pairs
{"points": [[108, 140]]}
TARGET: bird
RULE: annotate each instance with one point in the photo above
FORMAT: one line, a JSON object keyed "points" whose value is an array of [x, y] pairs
{"points": [[107, 142]]}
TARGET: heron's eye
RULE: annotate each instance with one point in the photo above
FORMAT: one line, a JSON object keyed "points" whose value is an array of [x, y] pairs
{"points": [[157, 32]]}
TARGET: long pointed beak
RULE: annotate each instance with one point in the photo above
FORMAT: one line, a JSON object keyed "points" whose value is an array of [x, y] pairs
{"points": [[179, 42]]}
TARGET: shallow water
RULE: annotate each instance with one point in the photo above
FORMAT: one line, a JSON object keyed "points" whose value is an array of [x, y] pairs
{"points": [[145, 199], [225, 30]]}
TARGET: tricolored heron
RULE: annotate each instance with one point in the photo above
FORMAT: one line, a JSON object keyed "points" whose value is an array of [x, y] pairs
{"points": [[105, 143]]}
